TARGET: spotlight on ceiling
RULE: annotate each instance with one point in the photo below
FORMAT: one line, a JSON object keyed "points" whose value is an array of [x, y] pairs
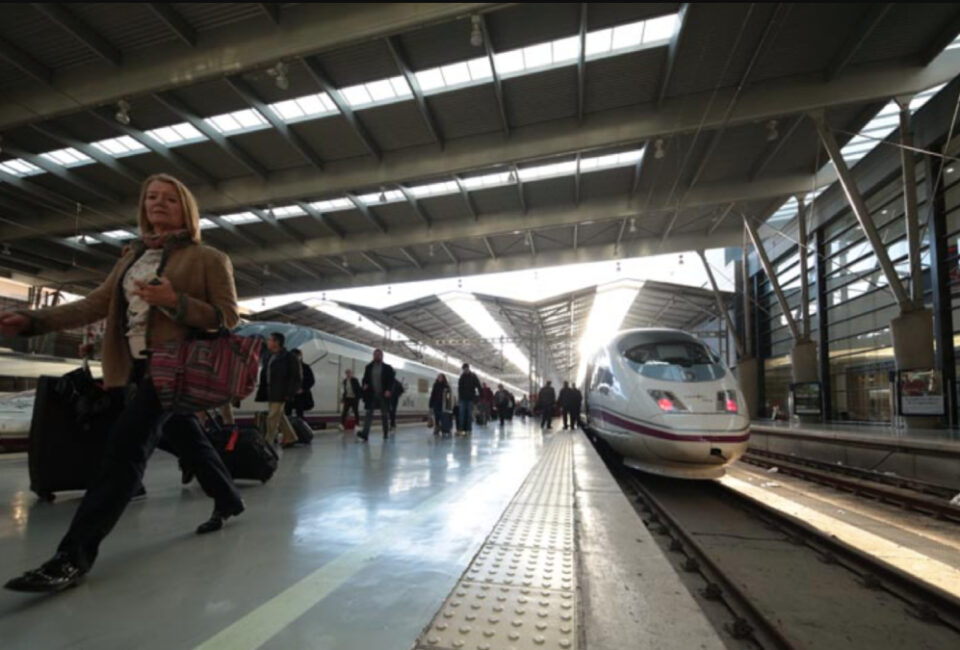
{"points": [[772, 132], [476, 35], [279, 74], [633, 224], [123, 112], [680, 262], [658, 151]]}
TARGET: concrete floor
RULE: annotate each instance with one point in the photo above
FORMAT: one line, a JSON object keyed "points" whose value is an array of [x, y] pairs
{"points": [[349, 546]]}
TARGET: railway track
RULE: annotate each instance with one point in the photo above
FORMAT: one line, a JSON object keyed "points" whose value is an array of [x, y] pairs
{"points": [[915, 495], [782, 583]]}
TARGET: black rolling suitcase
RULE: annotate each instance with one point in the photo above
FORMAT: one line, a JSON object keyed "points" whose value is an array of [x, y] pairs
{"points": [[244, 451], [446, 422], [302, 429], [72, 416]]}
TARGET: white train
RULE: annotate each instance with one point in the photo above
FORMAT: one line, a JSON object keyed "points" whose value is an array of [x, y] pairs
{"points": [[662, 400]]}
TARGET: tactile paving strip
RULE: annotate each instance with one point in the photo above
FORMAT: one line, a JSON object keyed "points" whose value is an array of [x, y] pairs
{"points": [[519, 592], [487, 617]]}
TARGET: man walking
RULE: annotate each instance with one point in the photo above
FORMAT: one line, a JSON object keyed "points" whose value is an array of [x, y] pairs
{"points": [[563, 401], [350, 398], [503, 400], [546, 402], [576, 399], [468, 390], [280, 380], [377, 386]]}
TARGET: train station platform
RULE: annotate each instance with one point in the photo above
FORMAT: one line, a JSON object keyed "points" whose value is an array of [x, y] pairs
{"points": [[927, 454], [365, 546]]}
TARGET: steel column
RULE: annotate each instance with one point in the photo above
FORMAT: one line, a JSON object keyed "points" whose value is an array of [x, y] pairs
{"points": [[859, 208], [748, 323], [823, 329], [910, 200], [804, 279], [939, 282], [762, 351], [774, 283], [720, 306]]}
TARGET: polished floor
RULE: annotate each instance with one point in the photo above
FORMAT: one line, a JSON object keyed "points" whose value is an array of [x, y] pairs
{"points": [[349, 546]]}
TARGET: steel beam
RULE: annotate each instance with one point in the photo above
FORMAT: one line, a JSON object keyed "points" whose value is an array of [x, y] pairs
{"points": [[860, 211], [467, 201], [271, 10], [415, 204], [61, 172], [489, 245], [308, 29], [234, 230], [320, 218], [266, 216], [320, 76], [227, 145], [446, 249], [171, 157], [177, 23], [804, 278], [909, 171], [81, 31], [873, 15], [365, 210], [720, 218], [497, 83], [772, 278], [246, 92], [409, 256], [936, 44], [672, 49], [576, 235], [523, 200], [108, 161], [25, 63], [370, 258], [399, 56], [582, 61], [531, 243], [748, 323]]}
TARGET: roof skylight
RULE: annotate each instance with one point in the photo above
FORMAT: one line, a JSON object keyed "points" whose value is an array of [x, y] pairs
{"points": [[19, 167], [473, 312], [68, 157], [373, 92], [176, 134], [287, 211], [332, 205], [119, 234], [120, 147], [237, 121], [239, 218]]}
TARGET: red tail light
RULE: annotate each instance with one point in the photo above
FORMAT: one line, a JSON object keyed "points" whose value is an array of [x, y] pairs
{"points": [[727, 401], [731, 405], [667, 401], [665, 404]]}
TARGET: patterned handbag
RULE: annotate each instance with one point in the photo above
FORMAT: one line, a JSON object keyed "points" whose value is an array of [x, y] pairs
{"points": [[205, 372]]}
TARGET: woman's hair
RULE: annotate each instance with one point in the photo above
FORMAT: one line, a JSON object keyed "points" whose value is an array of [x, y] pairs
{"points": [[188, 205]]}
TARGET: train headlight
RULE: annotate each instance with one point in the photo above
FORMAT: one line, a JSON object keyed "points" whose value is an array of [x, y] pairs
{"points": [[667, 401], [727, 401]]}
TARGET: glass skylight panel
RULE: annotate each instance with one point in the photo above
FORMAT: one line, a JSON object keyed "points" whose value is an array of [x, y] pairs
{"points": [[480, 69], [435, 189], [400, 87], [122, 146], [566, 49], [356, 95], [456, 73], [119, 234], [206, 224], [599, 42], [430, 79], [537, 56], [507, 62], [287, 211], [660, 29], [311, 105], [68, 157], [176, 134], [332, 205], [381, 90], [486, 180], [474, 313], [626, 36], [224, 123], [240, 218], [19, 167]]}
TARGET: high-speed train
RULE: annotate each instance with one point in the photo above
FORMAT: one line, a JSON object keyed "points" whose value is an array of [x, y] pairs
{"points": [[663, 401]]}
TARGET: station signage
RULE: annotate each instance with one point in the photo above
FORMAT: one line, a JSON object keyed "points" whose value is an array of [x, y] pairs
{"points": [[920, 392]]}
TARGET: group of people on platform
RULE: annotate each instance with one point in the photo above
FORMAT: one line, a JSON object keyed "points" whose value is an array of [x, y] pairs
{"points": [[568, 401]]}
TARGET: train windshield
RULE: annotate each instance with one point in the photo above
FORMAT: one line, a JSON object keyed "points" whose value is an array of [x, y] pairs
{"points": [[682, 361]]}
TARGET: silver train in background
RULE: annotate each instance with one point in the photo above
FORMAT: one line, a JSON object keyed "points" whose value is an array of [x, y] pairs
{"points": [[662, 400]]}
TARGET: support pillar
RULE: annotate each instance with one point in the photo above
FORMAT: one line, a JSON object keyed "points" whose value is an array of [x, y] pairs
{"points": [[909, 171]]}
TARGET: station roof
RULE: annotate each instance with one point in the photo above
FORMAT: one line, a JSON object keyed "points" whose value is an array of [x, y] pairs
{"points": [[335, 145], [413, 328]]}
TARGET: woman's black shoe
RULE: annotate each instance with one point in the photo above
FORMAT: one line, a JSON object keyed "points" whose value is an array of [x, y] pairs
{"points": [[215, 522], [56, 575]]}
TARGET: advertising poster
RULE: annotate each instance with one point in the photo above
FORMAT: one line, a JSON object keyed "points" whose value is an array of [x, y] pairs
{"points": [[921, 392]]}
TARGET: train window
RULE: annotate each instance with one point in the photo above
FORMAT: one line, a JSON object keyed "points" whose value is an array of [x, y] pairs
{"points": [[682, 361]]}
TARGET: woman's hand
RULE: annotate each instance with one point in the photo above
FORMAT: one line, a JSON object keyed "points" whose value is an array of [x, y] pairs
{"points": [[12, 324], [157, 293]]}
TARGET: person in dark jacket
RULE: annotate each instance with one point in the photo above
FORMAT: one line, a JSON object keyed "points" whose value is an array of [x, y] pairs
{"points": [[377, 386], [563, 401], [468, 390], [503, 400], [280, 379], [440, 399], [395, 394], [546, 402], [576, 399], [350, 396], [303, 400]]}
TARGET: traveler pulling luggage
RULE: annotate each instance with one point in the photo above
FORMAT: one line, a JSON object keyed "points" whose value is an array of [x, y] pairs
{"points": [[302, 429]]}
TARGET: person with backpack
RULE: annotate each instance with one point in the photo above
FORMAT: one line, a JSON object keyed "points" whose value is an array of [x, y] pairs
{"points": [[153, 295]]}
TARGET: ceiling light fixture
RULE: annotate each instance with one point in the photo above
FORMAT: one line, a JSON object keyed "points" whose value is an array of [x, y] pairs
{"points": [[633, 224], [346, 264], [383, 195], [681, 260], [123, 112], [658, 151], [279, 74], [476, 35], [512, 177], [772, 132]]}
